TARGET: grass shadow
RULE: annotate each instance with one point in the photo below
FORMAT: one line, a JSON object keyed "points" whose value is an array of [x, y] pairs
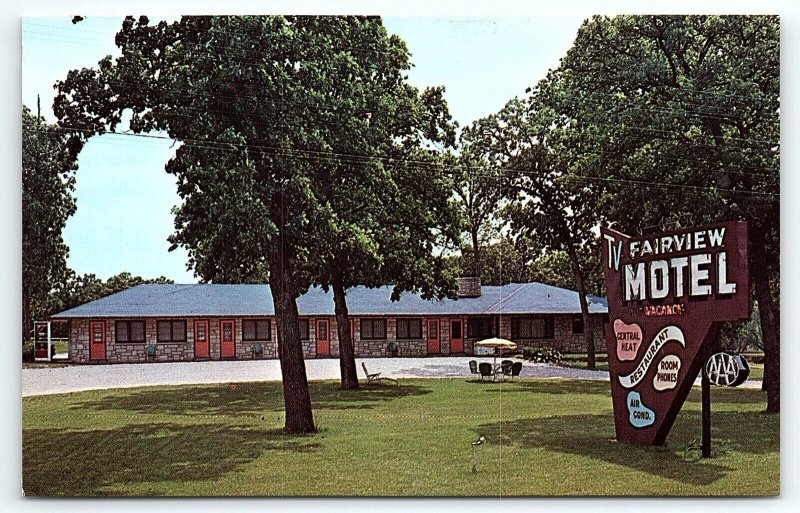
{"points": [[555, 386], [244, 398], [88, 463], [726, 395], [593, 436], [752, 432]]}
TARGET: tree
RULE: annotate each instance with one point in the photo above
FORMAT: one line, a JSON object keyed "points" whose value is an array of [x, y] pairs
{"points": [[479, 184], [502, 263], [270, 111], [555, 268], [533, 147], [47, 184], [742, 336], [684, 111], [403, 213], [383, 198], [77, 290]]}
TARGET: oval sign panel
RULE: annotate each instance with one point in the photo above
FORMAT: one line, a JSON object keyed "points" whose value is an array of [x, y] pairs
{"points": [[727, 370]]}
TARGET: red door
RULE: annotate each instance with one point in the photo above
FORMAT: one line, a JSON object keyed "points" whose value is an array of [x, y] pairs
{"points": [[201, 339], [456, 336], [227, 347], [323, 338], [97, 340], [433, 337]]}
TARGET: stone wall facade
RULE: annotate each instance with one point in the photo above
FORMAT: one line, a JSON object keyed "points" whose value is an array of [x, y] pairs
{"points": [[564, 340], [118, 352]]}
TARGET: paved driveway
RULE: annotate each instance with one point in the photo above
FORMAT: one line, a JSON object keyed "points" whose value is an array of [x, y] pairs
{"points": [[74, 378]]}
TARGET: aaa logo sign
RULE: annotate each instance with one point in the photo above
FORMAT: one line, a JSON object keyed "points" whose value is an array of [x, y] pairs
{"points": [[667, 295], [727, 370]]}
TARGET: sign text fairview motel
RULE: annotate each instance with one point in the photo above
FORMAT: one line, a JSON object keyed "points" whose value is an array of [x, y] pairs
{"points": [[667, 297]]}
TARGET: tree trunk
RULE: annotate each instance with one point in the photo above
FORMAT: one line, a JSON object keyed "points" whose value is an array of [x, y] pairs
{"points": [[769, 322], [297, 401], [347, 354], [476, 253], [588, 332]]}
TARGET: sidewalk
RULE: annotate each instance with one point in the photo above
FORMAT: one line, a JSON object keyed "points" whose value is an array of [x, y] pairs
{"points": [[75, 378]]}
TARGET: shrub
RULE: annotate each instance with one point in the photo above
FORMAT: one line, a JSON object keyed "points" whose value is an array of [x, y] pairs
{"points": [[542, 355], [27, 351]]}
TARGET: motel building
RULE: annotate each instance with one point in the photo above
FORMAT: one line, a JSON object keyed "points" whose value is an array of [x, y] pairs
{"points": [[165, 322]]}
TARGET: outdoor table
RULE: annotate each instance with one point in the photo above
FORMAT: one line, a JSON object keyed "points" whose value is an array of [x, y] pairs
{"points": [[496, 369]]}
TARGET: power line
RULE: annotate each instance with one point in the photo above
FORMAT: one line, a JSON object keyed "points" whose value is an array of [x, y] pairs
{"points": [[331, 155], [316, 155]]}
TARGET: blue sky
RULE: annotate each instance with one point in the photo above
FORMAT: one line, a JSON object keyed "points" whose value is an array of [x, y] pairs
{"points": [[125, 197]]}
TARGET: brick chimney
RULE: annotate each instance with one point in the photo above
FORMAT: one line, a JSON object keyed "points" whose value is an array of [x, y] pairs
{"points": [[469, 286]]}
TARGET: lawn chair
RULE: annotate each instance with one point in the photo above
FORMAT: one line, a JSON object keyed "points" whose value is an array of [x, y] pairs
{"points": [[376, 377], [473, 367], [505, 368], [151, 352], [516, 368], [485, 370]]}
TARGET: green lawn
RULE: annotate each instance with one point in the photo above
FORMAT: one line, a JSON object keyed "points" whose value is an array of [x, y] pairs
{"points": [[756, 371], [579, 361], [44, 365], [544, 437]]}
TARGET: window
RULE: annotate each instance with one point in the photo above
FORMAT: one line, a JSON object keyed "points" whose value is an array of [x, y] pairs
{"points": [[531, 327], [200, 331], [577, 325], [303, 324], [433, 329], [171, 331], [256, 329], [129, 331], [322, 330], [455, 330], [97, 332], [373, 329], [409, 328], [481, 327]]}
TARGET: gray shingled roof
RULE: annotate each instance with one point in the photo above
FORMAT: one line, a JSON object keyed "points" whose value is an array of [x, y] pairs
{"points": [[213, 300]]}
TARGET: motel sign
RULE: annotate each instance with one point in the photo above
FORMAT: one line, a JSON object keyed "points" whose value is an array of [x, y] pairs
{"points": [[667, 297]]}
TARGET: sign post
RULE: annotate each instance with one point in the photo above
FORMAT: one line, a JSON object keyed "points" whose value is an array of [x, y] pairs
{"points": [[667, 297], [706, 400]]}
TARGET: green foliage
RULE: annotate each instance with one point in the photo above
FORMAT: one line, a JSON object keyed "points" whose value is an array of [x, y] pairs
{"points": [[678, 119], [555, 269], [743, 335], [542, 355], [690, 101], [479, 189], [304, 158], [48, 182], [80, 289], [27, 350], [300, 134], [501, 263]]}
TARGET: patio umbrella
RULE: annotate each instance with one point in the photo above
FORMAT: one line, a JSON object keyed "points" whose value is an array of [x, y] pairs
{"points": [[497, 344]]}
